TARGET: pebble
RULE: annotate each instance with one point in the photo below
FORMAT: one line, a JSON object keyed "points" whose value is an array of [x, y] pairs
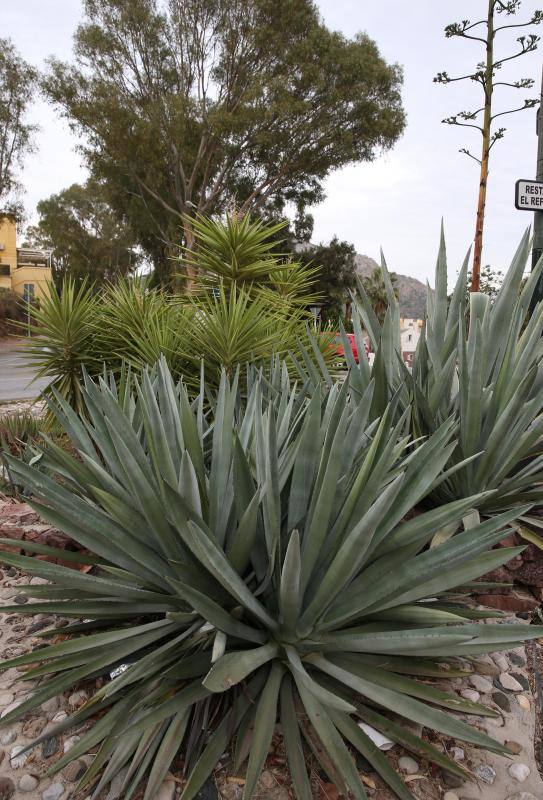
{"points": [[470, 694], [523, 702], [6, 699], [517, 657], [450, 796], [510, 683], [522, 679], [50, 705], [17, 760], [408, 764], [502, 701], [53, 792], [70, 742], [514, 747], [167, 790], [77, 699], [8, 738], [519, 772], [74, 771], [21, 599], [485, 773], [50, 747], [458, 753], [482, 685], [501, 662], [28, 783]]}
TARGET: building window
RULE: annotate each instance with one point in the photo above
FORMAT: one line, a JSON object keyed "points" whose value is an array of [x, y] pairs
{"points": [[4, 269], [28, 293]]}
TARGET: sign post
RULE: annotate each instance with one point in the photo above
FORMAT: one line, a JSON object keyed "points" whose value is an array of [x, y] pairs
{"points": [[529, 195]]}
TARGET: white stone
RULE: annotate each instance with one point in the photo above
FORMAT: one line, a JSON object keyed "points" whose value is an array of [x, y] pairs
{"points": [[77, 699], [6, 698], [53, 792], [8, 738], [70, 742], [408, 764], [501, 661], [50, 706], [470, 694], [519, 772], [60, 716], [458, 753], [17, 761], [28, 783], [485, 773], [523, 702], [167, 790], [482, 685], [508, 682], [450, 796]]}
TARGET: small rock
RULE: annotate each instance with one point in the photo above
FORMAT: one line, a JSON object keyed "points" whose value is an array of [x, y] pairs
{"points": [[28, 783], [482, 685], [50, 747], [514, 747], [75, 771], [510, 683], [450, 796], [77, 699], [8, 738], [53, 792], [471, 694], [502, 701], [59, 717], [167, 790], [458, 753], [408, 765], [70, 742], [519, 772], [6, 699], [523, 702], [450, 780], [501, 661], [522, 679], [485, 773], [517, 657], [21, 599], [17, 761], [485, 666], [50, 706]]}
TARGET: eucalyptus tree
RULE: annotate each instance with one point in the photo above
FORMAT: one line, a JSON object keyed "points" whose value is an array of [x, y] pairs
{"points": [[191, 106]]}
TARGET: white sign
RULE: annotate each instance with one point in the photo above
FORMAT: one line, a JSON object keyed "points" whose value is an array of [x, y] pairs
{"points": [[529, 195]]}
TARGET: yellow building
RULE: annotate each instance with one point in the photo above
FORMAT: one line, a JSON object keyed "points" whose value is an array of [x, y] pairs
{"points": [[24, 271]]}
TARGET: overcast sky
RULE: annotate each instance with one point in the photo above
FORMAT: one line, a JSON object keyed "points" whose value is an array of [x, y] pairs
{"points": [[397, 201]]}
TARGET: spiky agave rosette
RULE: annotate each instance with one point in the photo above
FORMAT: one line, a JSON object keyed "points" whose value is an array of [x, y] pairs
{"points": [[253, 563]]}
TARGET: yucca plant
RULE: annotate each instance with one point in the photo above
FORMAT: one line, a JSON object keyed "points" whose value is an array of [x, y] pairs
{"points": [[253, 564]]}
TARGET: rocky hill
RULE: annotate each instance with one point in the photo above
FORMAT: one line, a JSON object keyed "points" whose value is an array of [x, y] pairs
{"points": [[412, 291]]}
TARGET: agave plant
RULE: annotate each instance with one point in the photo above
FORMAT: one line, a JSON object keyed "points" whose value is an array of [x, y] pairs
{"points": [[480, 366], [253, 564]]}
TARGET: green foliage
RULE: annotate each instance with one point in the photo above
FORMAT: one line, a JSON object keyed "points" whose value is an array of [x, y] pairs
{"points": [[248, 305], [11, 311], [17, 87], [336, 276], [87, 239], [251, 564], [488, 380], [375, 289], [291, 102]]}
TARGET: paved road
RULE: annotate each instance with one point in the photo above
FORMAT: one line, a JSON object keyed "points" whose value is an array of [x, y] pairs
{"points": [[15, 374]]}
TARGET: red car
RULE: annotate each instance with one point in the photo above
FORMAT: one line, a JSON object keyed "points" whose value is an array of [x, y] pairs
{"points": [[354, 348]]}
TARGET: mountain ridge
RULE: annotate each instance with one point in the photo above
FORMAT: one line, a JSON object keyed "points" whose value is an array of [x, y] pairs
{"points": [[412, 291]]}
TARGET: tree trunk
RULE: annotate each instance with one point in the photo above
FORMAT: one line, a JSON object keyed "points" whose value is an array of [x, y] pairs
{"points": [[485, 152], [191, 269]]}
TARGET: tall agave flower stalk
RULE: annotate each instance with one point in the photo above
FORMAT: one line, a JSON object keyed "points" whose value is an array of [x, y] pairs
{"points": [[254, 564], [480, 367]]}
